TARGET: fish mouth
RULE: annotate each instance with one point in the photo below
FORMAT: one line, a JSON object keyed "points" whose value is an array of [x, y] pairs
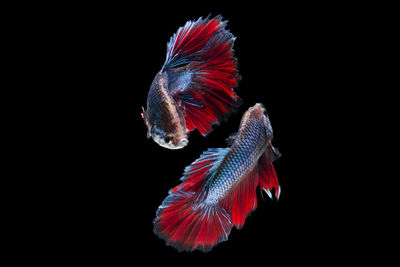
{"points": [[258, 109], [258, 112], [171, 144]]}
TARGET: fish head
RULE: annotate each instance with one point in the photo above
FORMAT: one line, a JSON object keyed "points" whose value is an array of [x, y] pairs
{"points": [[164, 119], [259, 112], [166, 132], [167, 139]]}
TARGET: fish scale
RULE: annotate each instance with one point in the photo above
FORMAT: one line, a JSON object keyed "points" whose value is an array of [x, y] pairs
{"points": [[244, 153], [218, 190]]}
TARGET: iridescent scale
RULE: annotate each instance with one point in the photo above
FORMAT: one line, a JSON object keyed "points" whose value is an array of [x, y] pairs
{"points": [[243, 155]]}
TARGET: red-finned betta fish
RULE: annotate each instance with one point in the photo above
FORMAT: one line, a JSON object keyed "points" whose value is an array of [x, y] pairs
{"points": [[218, 190], [194, 89]]}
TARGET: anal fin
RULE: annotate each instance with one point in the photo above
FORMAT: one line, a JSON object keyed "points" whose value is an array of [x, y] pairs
{"points": [[242, 199]]}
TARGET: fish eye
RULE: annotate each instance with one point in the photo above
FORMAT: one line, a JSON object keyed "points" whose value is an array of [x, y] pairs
{"points": [[167, 139]]}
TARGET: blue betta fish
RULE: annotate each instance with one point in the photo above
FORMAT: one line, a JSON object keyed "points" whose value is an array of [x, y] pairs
{"points": [[218, 190], [194, 88]]}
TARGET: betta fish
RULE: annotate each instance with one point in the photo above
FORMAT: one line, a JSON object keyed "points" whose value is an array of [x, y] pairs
{"points": [[218, 190], [194, 88]]}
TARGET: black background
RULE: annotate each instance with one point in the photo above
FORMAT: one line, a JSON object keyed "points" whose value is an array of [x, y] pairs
{"points": [[288, 59]]}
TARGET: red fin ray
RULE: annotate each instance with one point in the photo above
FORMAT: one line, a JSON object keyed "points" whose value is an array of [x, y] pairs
{"points": [[204, 86], [267, 175], [187, 220], [187, 225], [184, 220], [242, 199], [196, 175], [190, 40]]}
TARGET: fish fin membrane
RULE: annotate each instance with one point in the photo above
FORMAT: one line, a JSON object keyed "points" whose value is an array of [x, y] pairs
{"points": [[184, 220], [242, 199], [202, 67], [198, 175], [268, 178], [188, 225]]}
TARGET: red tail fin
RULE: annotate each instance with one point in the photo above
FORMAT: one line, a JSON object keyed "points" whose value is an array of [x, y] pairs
{"points": [[184, 220], [187, 222], [206, 84], [187, 225]]}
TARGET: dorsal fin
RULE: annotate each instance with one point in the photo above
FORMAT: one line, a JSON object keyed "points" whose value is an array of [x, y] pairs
{"points": [[231, 138], [202, 72]]}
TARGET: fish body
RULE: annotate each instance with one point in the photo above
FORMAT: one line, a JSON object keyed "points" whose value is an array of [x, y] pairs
{"points": [[194, 88], [247, 148], [218, 190]]}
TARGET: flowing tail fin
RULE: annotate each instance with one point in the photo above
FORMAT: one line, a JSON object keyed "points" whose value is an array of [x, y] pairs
{"points": [[201, 65], [187, 225], [188, 222], [184, 219]]}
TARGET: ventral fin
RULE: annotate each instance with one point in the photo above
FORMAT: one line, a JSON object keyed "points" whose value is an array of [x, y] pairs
{"points": [[268, 179]]}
